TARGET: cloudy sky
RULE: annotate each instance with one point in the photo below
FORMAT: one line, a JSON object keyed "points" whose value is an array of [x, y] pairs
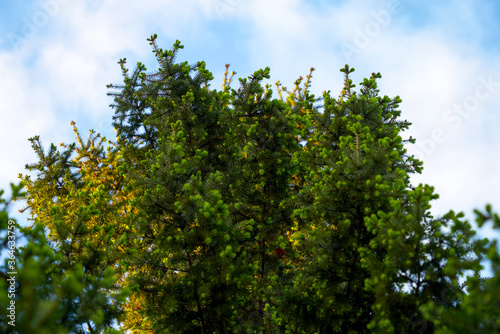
{"points": [[442, 58]]}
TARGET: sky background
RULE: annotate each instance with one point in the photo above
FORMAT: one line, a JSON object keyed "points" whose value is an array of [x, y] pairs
{"points": [[441, 58]]}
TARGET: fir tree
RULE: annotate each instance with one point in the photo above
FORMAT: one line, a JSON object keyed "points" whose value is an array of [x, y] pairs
{"points": [[354, 163], [239, 211], [77, 205]]}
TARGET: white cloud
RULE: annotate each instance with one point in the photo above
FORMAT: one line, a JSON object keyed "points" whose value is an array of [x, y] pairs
{"points": [[61, 73], [432, 68], [26, 111]]}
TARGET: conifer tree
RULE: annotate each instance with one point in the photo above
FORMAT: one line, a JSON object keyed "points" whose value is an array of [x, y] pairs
{"points": [[478, 309], [423, 264], [185, 273], [213, 183], [78, 208], [238, 211], [263, 135], [49, 296], [354, 161]]}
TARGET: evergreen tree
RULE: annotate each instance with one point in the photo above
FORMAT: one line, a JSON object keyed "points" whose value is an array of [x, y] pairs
{"points": [[213, 183], [49, 296], [185, 273], [78, 210], [477, 310], [354, 164], [237, 211]]}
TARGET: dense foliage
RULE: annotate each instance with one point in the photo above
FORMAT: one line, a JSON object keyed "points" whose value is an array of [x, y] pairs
{"points": [[232, 210]]}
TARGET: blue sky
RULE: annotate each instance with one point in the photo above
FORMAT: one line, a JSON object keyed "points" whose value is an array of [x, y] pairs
{"points": [[56, 57]]}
